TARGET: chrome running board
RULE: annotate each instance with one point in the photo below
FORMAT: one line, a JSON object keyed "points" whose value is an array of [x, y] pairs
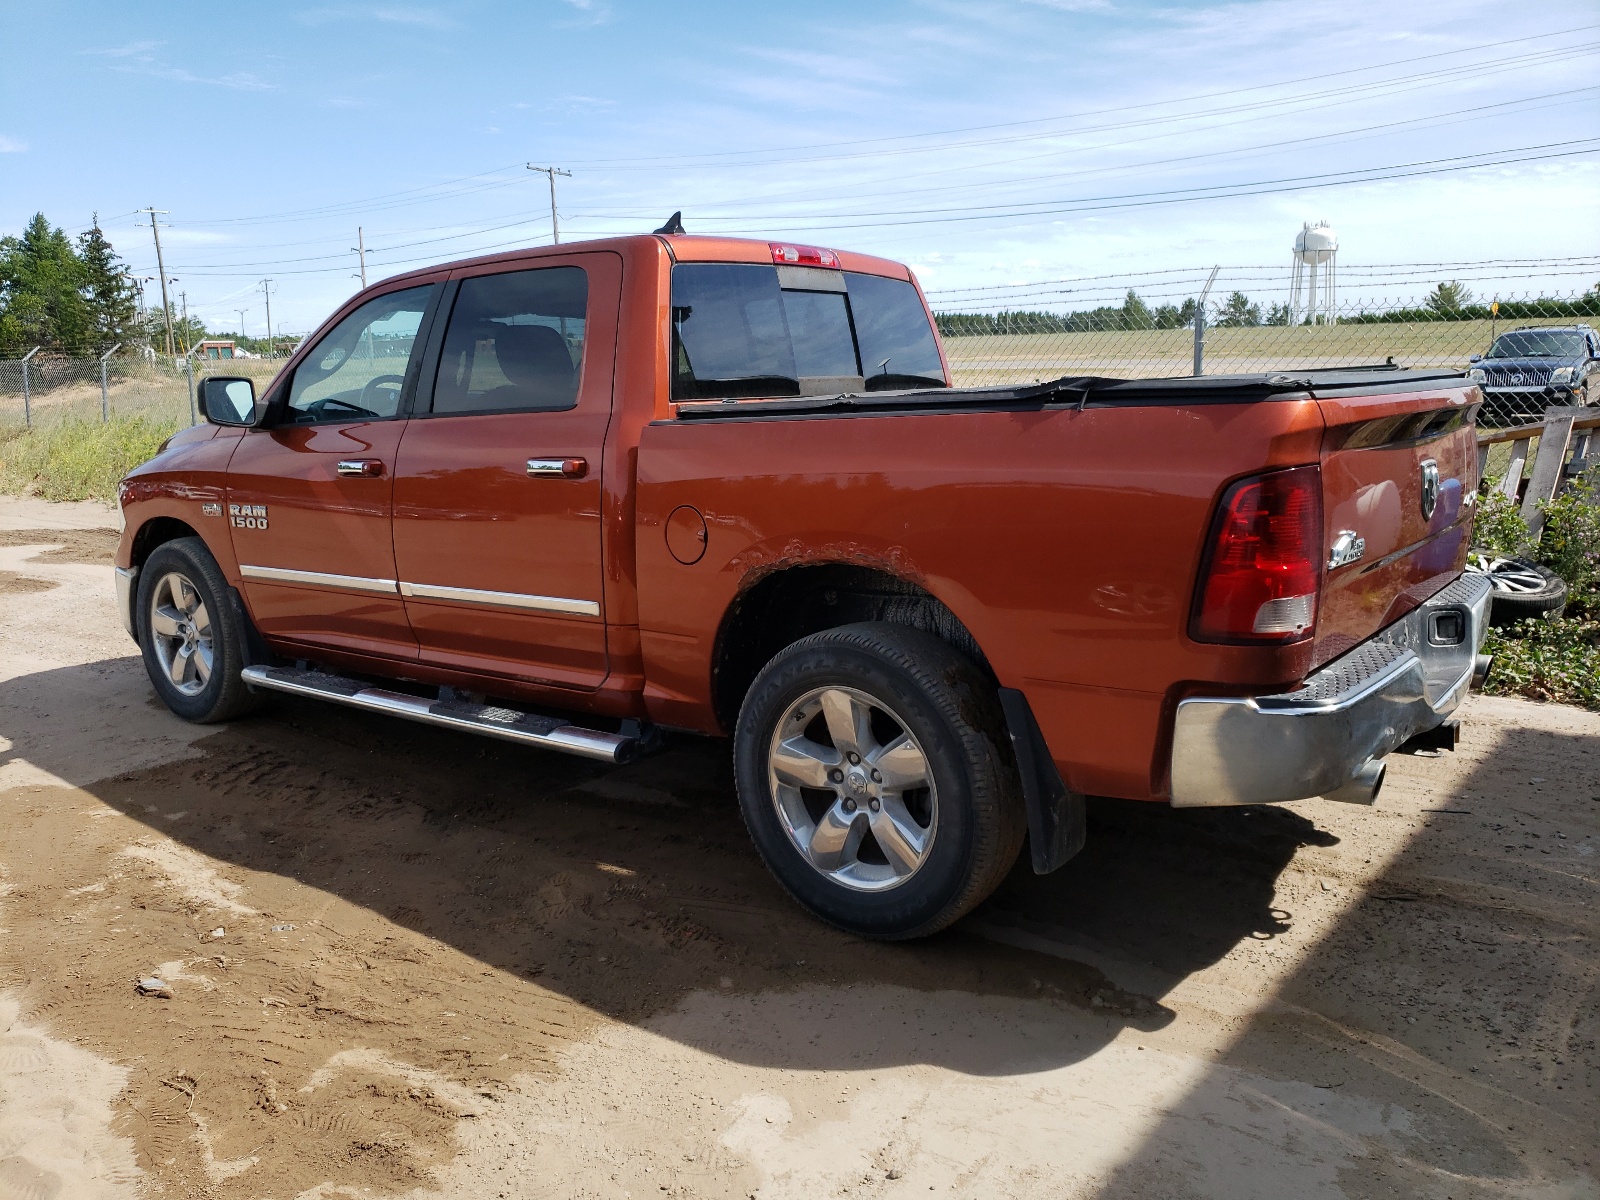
{"points": [[508, 724]]}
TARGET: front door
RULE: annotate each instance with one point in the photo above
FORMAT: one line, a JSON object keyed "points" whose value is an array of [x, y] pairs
{"points": [[498, 488], [310, 497]]}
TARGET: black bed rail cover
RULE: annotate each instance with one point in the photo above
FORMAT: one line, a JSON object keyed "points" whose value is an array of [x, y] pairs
{"points": [[1085, 391]]}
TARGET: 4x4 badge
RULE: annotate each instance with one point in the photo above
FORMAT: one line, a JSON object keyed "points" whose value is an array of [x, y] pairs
{"points": [[1348, 547], [1430, 488]]}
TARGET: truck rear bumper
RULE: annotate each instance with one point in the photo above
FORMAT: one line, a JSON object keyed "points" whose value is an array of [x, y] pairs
{"points": [[1313, 741]]}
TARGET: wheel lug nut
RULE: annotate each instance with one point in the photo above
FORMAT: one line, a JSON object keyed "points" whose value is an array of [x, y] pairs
{"points": [[874, 805], [849, 806], [853, 757], [836, 775], [877, 777]]}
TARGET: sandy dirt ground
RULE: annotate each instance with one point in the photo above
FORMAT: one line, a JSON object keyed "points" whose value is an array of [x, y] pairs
{"points": [[401, 962]]}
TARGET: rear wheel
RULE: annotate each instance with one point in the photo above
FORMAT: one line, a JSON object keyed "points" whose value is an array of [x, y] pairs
{"points": [[876, 779], [192, 639]]}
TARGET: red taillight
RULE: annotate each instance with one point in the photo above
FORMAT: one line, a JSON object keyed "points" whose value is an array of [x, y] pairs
{"points": [[1264, 568], [802, 256]]}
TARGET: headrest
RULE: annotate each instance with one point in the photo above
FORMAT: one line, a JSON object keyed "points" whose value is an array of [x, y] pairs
{"points": [[534, 357]]}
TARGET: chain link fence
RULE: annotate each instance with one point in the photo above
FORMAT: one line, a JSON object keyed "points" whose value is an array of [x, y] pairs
{"points": [[1130, 341], [1008, 347], [44, 390]]}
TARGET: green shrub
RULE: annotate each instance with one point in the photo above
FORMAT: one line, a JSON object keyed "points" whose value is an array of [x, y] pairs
{"points": [[78, 459], [1547, 660], [1499, 528], [1570, 542]]}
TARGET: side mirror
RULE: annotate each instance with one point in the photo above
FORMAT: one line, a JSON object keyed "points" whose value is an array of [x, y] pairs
{"points": [[228, 401], [1476, 358]]}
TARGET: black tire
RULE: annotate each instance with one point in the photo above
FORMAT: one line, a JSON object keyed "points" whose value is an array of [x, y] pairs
{"points": [[211, 690], [974, 810], [1523, 590]]}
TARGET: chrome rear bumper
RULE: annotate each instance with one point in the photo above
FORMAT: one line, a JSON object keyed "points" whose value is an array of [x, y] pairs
{"points": [[1313, 741]]}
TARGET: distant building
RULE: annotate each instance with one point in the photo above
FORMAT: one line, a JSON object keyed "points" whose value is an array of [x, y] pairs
{"points": [[217, 348]]}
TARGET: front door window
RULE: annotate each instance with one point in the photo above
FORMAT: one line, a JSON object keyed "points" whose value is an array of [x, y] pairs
{"points": [[356, 372]]}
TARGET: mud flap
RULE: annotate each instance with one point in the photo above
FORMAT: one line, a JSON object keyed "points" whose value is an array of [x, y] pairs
{"points": [[255, 647], [1056, 829]]}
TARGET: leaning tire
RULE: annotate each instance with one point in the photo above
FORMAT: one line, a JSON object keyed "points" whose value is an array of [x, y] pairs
{"points": [[1521, 589], [193, 640], [876, 779]]}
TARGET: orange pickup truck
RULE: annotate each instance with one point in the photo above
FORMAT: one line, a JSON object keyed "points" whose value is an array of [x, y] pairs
{"points": [[579, 496]]}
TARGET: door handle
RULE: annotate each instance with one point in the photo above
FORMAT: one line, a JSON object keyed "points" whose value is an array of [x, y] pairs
{"points": [[368, 468], [558, 468]]}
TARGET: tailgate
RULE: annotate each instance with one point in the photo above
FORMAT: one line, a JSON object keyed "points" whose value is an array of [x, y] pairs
{"points": [[1399, 473]]}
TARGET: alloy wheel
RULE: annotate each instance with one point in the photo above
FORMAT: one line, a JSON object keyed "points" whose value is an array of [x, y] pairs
{"points": [[180, 631], [853, 788]]}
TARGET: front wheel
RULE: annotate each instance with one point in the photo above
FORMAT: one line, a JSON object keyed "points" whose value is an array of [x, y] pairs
{"points": [[876, 779], [192, 639]]}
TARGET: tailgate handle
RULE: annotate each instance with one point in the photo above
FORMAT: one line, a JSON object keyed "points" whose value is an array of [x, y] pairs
{"points": [[367, 468], [558, 468]]}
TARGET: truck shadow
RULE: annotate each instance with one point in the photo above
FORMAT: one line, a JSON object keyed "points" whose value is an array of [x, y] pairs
{"points": [[1439, 1038], [627, 889]]}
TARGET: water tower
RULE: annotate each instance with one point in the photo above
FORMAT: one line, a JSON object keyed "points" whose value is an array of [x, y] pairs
{"points": [[1311, 280]]}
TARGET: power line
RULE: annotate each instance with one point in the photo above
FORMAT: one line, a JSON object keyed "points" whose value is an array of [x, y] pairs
{"points": [[1331, 179], [436, 191], [696, 158]]}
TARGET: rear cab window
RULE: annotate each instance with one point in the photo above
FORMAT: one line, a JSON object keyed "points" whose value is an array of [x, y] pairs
{"points": [[751, 330]]}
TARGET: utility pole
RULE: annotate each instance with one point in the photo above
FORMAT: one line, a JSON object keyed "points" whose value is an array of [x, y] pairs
{"points": [[184, 340], [361, 249], [555, 225], [266, 290], [161, 268], [241, 312]]}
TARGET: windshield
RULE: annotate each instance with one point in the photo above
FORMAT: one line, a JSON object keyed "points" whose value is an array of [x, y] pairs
{"points": [[1537, 343], [748, 330]]}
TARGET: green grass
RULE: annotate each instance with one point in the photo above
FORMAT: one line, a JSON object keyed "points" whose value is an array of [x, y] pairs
{"points": [[1555, 660], [79, 459]]}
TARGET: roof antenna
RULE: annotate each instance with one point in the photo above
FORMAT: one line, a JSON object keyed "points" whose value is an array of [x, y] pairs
{"points": [[674, 224]]}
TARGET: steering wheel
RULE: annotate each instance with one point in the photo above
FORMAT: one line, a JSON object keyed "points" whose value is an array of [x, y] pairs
{"points": [[369, 394]]}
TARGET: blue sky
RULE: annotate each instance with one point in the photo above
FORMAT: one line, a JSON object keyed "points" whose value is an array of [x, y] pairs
{"points": [[989, 144]]}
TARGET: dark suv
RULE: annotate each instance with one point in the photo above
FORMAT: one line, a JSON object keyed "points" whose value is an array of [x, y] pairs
{"points": [[1529, 370]]}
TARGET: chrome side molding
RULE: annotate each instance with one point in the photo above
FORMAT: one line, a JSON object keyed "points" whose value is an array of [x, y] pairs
{"points": [[356, 583], [555, 604], [507, 724], [424, 591]]}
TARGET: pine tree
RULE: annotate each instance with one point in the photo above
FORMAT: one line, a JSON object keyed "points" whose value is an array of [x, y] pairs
{"points": [[1136, 313], [41, 298], [1237, 311], [108, 289]]}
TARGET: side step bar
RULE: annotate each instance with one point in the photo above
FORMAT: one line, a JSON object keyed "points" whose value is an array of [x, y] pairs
{"points": [[508, 724]]}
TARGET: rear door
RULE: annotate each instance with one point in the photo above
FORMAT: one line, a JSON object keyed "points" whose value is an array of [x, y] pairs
{"points": [[1399, 477], [309, 498], [498, 487]]}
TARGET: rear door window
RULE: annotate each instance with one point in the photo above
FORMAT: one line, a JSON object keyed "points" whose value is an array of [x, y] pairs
{"points": [[743, 329], [514, 343]]}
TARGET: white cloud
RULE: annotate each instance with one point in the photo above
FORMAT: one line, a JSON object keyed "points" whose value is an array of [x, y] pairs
{"points": [[423, 18], [11, 145], [594, 12], [139, 50]]}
